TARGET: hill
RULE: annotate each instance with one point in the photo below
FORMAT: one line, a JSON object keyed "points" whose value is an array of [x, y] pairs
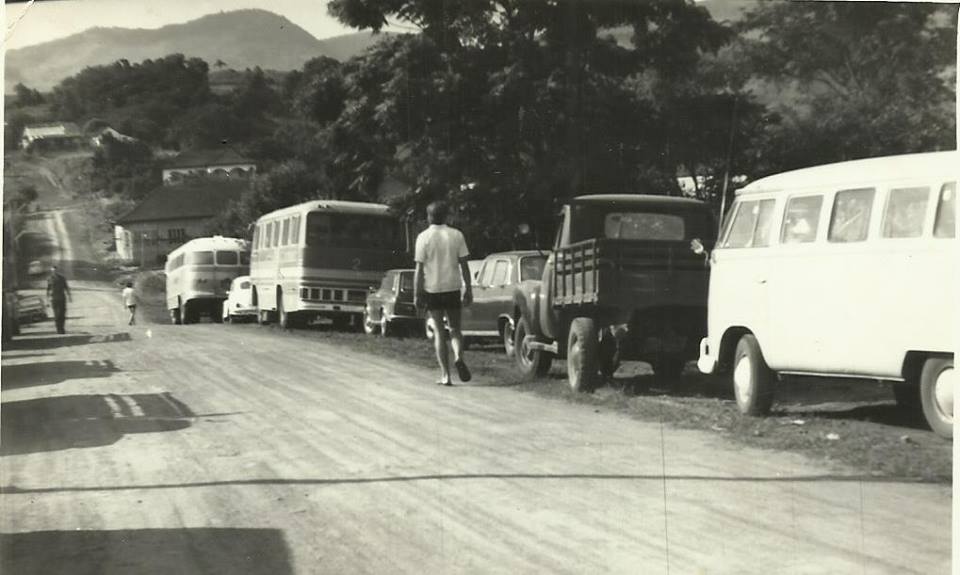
{"points": [[241, 39]]}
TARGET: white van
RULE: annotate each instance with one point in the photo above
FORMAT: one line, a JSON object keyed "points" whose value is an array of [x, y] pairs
{"points": [[842, 270]]}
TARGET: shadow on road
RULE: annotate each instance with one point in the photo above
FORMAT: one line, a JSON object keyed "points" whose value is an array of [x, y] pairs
{"points": [[147, 551], [53, 372], [33, 343], [72, 421]]}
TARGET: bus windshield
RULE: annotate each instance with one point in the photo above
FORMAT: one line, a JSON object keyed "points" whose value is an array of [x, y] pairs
{"points": [[353, 231], [200, 258]]}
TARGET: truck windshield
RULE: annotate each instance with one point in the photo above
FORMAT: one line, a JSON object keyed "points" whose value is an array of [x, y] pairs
{"points": [[654, 225], [353, 231]]}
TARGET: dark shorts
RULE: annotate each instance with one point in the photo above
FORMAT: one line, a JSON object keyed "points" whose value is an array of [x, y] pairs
{"points": [[132, 307], [441, 301]]}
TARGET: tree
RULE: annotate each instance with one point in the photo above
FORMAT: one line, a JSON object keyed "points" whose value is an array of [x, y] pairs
{"points": [[510, 108], [26, 96], [863, 79], [125, 169]]}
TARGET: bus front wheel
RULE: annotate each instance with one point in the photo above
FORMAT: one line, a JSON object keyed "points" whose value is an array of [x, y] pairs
{"points": [[753, 380], [175, 316], [936, 394]]}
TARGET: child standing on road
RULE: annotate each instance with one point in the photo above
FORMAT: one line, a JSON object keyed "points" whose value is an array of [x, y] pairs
{"points": [[130, 301]]}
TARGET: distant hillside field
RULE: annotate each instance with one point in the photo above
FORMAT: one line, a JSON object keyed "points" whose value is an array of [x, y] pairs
{"points": [[240, 39]]}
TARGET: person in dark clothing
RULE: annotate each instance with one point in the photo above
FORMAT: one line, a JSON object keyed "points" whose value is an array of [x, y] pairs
{"points": [[58, 292]]}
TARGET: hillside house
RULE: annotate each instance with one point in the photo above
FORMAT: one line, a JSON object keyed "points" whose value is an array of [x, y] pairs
{"points": [[223, 163], [170, 215], [108, 131], [53, 136]]}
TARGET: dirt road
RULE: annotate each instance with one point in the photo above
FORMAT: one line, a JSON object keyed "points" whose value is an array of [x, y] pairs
{"points": [[235, 449]]}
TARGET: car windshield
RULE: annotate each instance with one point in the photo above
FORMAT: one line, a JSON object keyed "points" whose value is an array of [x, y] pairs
{"points": [[531, 268], [353, 231]]}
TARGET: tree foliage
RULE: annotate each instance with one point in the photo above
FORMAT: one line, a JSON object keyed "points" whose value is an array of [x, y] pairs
{"points": [[126, 169]]}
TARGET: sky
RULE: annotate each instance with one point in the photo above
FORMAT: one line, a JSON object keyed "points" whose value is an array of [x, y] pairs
{"points": [[32, 23]]}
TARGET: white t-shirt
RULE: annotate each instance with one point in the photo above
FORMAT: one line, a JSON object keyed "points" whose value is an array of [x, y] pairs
{"points": [[439, 249], [129, 297]]}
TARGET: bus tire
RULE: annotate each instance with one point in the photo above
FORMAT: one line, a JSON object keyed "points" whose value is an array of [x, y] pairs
{"points": [[753, 381], [175, 315], [583, 354], [186, 313], [531, 363], [283, 318], [936, 394]]}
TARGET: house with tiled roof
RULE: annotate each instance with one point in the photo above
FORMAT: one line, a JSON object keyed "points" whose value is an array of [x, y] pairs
{"points": [[49, 136], [221, 163], [170, 215]]}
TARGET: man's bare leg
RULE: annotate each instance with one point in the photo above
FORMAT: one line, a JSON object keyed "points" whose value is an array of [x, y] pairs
{"points": [[440, 344], [456, 337]]}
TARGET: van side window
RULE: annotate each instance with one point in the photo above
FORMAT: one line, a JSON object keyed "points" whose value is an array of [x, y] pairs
{"points": [[850, 219], [903, 216], [750, 226], [276, 234], [801, 219], [945, 226], [285, 235]]}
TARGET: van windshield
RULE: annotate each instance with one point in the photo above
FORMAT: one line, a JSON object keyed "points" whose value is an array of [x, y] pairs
{"points": [[353, 231]]}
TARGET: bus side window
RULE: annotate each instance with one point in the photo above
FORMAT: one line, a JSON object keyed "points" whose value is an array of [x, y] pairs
{"points": [[268, 235], [850, 219], [905, 211], [801, 220], [945, 226], [276, 234], [295, 230], [285, 235]]}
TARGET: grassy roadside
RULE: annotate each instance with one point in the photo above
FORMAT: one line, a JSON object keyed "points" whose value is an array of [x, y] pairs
{"points": [[857, 425]]}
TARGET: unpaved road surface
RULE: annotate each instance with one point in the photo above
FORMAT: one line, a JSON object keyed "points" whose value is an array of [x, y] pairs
{"points": [[235, 449]]}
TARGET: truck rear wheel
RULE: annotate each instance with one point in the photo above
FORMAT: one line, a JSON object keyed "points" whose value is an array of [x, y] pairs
{"points": [[753, 381], [583, 354], [533, 363], [936, 394]]}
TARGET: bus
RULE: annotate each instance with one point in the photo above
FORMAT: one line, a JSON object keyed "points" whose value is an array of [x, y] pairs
{"points": [[199, 273], [320, 259], [842, 270]]}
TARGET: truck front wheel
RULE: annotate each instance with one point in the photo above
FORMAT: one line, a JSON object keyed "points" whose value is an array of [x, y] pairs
{"points": [[533, 363], [583, 354]]}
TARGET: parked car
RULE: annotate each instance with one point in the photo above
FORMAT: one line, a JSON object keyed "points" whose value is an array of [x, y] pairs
{"points": [[491, 316], [390, 306], [239, 303], [621, 283], [31, 308]]}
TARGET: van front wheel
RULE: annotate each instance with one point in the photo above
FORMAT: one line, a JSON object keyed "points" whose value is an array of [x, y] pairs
{"points": [[753, 381], [936, 394]]}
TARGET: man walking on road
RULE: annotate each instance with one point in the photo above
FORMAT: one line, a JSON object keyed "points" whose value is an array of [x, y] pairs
{"points": [[58, 292], [441, 255]]}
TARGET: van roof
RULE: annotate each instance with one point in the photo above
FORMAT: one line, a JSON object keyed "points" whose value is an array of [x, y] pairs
{"points": [[214, 243], [636, 199], [857, 172], [334, 205]]}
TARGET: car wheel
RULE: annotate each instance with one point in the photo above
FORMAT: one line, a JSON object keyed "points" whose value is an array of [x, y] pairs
{"points": [[533, 363], [508, 345], [937, 382], [369, 326], [582, 354], [753, 381]]}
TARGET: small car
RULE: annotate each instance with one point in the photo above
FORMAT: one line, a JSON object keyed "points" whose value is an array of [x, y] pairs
{"points": [[239, 303], [391, 305], [36, 268], [491, 315], [31, 308]]}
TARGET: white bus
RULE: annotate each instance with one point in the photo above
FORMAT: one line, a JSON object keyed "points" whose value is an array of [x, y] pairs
{"points": [[321, 258], [199, 274], [842, 270]]}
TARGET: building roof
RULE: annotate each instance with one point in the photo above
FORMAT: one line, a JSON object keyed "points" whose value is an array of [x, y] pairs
{"points": [[190, 200], [52, 130], [224, 156]]}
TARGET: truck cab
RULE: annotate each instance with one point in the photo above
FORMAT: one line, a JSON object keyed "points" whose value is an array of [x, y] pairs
{"points": [[620, 284]]}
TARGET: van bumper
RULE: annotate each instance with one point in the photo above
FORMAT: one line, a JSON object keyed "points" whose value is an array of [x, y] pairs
{"points": [[706, 363]]}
